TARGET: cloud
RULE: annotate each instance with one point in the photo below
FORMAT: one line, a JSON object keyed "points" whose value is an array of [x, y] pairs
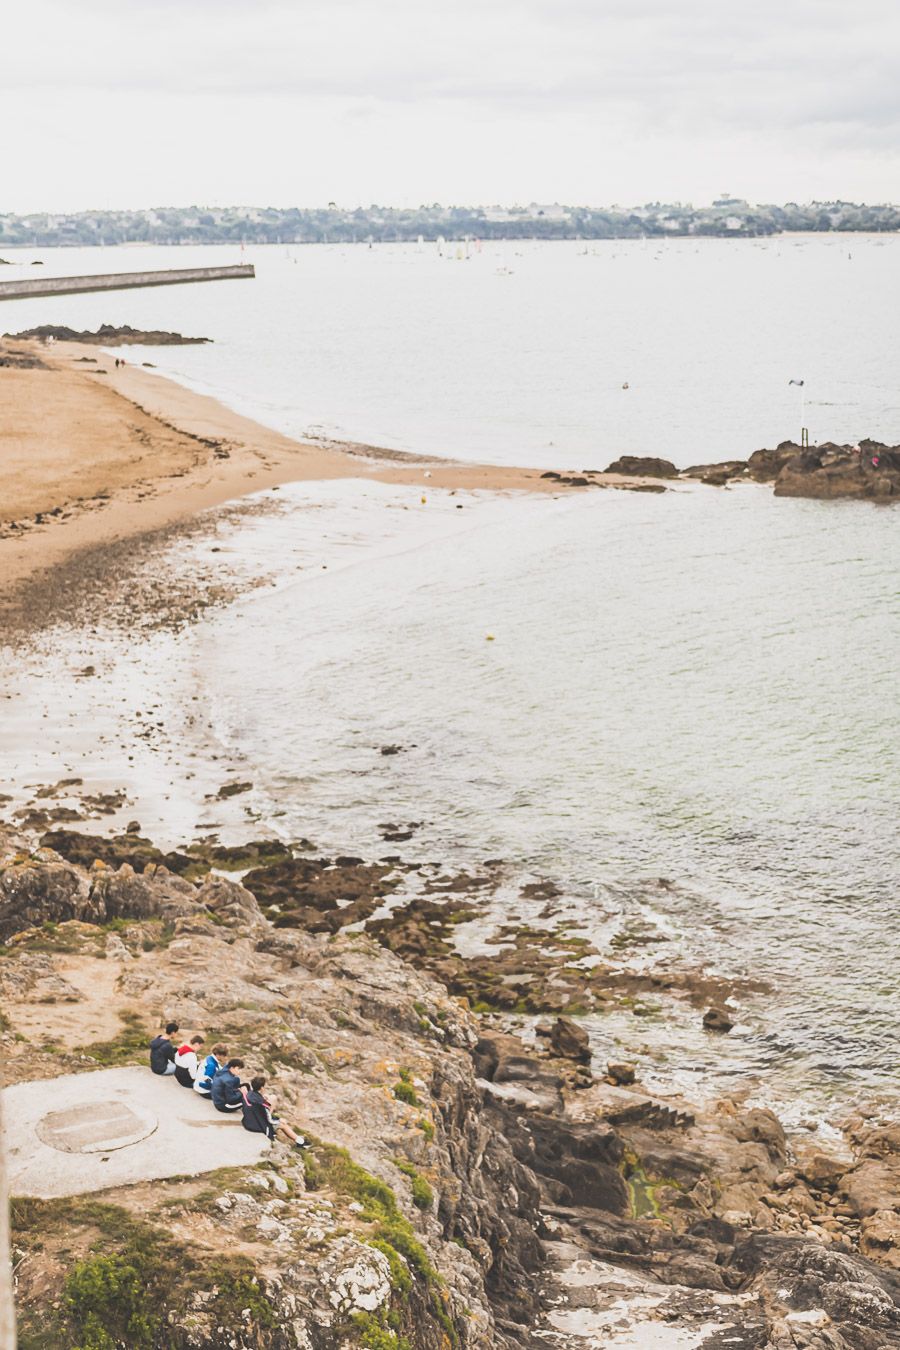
{"points": [[626, 80]]}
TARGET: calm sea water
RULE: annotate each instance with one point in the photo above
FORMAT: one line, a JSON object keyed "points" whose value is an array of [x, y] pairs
{"points": [[519, 353], [699, 686]]}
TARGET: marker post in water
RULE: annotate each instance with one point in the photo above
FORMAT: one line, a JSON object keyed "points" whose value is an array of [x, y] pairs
{"points": [[804, 431]]}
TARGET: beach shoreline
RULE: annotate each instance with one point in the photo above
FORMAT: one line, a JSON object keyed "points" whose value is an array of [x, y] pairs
{"points": [[92, 455]]}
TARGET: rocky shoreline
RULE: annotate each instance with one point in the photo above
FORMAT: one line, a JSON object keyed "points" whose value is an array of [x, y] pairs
{"points": [[108, 335], [469, 1186], [869, 470]]}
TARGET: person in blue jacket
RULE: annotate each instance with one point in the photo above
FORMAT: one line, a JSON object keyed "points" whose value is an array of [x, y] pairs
{"points": [[207, 1071], [226, 1087]]}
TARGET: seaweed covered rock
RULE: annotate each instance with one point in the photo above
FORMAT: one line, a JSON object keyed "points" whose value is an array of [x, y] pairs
{"points": [[321, 895]]}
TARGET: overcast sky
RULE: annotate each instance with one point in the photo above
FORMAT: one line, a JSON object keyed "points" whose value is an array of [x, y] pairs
{"points": [[114, 103]]}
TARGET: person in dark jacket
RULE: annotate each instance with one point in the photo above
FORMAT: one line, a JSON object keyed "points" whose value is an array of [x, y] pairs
{"points": [[162, 1051], [226, 1087], [258, 1117]]}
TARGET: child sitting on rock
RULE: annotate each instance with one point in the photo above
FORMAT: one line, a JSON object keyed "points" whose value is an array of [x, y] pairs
{"points": [[258, 1117]]}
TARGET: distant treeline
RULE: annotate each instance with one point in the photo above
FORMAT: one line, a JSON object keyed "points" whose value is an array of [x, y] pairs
{"points": [[728, 217]]}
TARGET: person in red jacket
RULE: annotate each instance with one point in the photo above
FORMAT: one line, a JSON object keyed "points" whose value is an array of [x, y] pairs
{"points": [[186, 1057]]}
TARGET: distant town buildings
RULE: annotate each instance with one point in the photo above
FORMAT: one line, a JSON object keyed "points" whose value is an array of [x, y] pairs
{"points": [[728, 216]]}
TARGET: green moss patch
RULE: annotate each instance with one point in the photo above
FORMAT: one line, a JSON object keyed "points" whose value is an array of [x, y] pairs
{"points": [[422, 1194], [137, 1284], [332, 1167], [131, 1047]]}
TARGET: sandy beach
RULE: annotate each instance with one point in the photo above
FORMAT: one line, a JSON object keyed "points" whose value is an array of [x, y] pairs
{"points": [[92, 454]]}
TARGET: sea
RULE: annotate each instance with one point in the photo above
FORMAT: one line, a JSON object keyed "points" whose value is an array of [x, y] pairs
{"points": [[681, 708]]}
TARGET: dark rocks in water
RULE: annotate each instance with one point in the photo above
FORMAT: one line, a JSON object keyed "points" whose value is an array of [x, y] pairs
{"points": [[717, 1019], [570, 1041], [764, 466], [111, 335], [232, 789], [622, 1074], [85, 849], [319, 894], [643, 466], [870, 471], [716, 475], [829, 471]]}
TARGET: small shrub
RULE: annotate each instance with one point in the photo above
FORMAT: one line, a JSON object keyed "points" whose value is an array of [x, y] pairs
{"points": [[422, 1194], [374, 1335], [106, 1297], [405, 1092]]}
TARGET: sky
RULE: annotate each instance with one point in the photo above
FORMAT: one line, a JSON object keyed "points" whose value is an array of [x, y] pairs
{"points": [[131, 103]]}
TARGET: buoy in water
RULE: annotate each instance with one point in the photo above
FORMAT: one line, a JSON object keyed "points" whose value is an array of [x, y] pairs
{"points": [[488, 637], [424, 500]]}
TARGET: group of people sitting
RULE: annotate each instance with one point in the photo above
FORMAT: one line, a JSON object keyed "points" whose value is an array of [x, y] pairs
{"points": [[215, 1076]]}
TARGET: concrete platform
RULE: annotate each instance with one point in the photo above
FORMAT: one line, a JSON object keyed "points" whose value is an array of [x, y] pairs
{"points": [[89, 1131]]}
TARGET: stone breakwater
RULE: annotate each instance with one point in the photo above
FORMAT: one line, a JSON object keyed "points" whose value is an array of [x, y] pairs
{"points": [[464, 1188]]}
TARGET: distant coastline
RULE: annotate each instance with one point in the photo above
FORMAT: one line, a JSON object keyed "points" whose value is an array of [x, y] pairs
{"points": [[727, 217]]}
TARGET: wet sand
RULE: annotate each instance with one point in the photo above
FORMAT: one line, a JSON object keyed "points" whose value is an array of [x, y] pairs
{"points": [[92, 455]]}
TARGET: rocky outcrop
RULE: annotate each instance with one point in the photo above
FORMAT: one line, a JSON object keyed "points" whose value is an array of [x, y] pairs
{"points": [[110, 335], [369, 1057], [455, 1168], [42, 888], [643, 466], [764, 466], [322, 895], [716, 474], [570, 1040], [870, 470], [828, 471]]}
